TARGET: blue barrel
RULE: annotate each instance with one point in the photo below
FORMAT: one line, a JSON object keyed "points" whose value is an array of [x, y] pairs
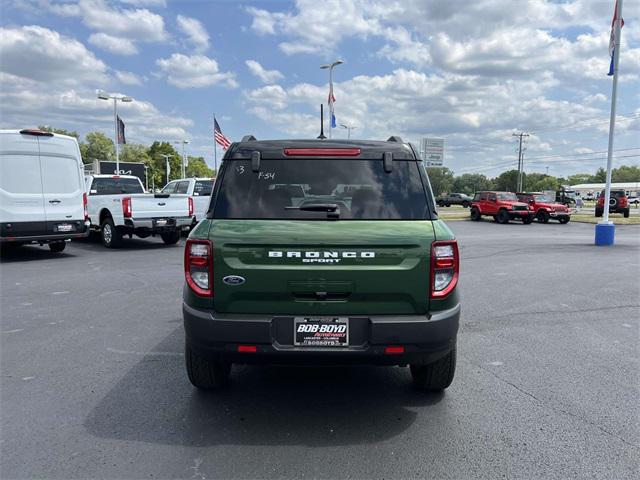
{"points": [[605, 234]]}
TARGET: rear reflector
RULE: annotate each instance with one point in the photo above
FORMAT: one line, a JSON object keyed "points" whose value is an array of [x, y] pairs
{"points": [[247, 348], [393, 350], [322, 152]]}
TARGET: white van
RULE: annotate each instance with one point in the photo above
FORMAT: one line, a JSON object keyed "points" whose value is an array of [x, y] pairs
{"points": [[42, 197]]}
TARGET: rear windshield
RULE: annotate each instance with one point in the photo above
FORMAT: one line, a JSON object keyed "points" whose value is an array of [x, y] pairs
{"points": [[352, 189], [114, 186], [203, 187]]}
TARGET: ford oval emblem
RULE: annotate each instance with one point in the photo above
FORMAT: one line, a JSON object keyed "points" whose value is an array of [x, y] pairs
{"points": [[233, 280]]}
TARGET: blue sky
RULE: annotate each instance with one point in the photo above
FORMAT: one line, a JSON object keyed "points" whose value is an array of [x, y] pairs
{"points": [[470, 72]]}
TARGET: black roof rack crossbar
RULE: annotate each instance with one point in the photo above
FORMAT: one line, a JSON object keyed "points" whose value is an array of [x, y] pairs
{"points": [[394, 138], [248, 138]]}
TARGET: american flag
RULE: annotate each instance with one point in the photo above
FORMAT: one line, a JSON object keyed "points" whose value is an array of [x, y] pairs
{"points": [[219, 137], [612, 38]]}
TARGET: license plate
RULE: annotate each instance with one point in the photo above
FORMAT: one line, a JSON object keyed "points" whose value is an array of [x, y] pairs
{"points": [[321, 331], [65, 227], [161, 222]]}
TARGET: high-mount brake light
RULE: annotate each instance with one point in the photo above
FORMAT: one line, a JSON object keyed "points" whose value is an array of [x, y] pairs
{"points": [[445, 268], [36, 132], [126, 207], [198, 266], [322, 152]]}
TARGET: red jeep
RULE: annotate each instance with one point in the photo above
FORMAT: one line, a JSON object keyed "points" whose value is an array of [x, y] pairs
{"points": [[618, 203], [502, 206], [544, 208]]}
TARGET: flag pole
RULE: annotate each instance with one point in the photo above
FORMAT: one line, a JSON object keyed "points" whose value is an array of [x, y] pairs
{"points": [[215, 146], [605, 230]]}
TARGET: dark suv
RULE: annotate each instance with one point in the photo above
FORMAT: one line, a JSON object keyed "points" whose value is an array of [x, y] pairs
{"points": [[323, 273], [448, 199]]}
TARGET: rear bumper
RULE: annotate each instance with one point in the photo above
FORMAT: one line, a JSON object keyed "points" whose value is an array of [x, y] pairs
{"points": [[424, 338], [18, 233], [152, 224]]}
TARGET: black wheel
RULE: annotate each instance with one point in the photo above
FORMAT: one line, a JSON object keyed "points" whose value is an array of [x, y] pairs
{"points": [[171, 238], [598, 212], [206, 374], [625, 212], [436, 376], [465, 204], [563, 221], [527, 220], [447, 204], [440, 203], [111, 236], [503, 216], [57, 247], [543, 216], [475, 214]]}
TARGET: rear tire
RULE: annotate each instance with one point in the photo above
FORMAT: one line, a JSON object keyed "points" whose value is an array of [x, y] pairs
{"points": [[527, 220], [206, 374], [475, 214], [111, 236], [171, 238], [436, 376], [57, 247], [503, 217], [625, 212], [543, 216], [465, 204], [564, 221]]}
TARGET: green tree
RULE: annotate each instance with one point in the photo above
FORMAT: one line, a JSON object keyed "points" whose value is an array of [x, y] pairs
{"points": [[61, 131], [97, 147], [134, 152], [441, 180], [579, 178], [626, 173], [471, 182], [158, 171], [538, 182], [508, 181], [600, 176], [197, 167]]}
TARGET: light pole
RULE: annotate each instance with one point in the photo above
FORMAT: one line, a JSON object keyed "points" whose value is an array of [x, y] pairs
{"points": [[348, 129], [166, 160], [115, 97], [331, 66], [184, 158]]}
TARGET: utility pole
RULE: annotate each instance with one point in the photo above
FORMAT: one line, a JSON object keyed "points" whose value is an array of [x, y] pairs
{"points": [[520, 159]]}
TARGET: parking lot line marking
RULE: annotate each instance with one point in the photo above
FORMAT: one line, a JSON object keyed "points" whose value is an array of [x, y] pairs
{"points": [[13, 331], [64, 292], [154, 354]]}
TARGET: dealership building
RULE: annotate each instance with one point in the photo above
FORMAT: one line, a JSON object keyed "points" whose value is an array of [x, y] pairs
{"points": [[596, 188]]}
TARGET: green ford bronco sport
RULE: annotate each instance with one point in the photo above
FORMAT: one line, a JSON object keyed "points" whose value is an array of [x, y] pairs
{"points": [[292, 265]]}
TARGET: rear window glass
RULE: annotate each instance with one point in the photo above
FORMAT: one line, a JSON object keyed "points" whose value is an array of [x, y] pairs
{"points": [[203, 187], [116, 186], [60, 174], [287, 189], [20, 174]]}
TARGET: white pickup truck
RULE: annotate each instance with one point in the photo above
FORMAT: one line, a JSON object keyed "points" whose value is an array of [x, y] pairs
{"points": [[117, 206], [199, 189]]}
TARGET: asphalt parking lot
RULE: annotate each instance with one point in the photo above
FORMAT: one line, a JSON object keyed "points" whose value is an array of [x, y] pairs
{"points": [[547, 386]]}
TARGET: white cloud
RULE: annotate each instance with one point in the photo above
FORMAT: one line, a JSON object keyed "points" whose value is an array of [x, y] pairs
{"points": [[273, 96], [146, 3], [128, 78], [267, 76], [118, 45], [194, 71], [44, 55], [195, 31]]}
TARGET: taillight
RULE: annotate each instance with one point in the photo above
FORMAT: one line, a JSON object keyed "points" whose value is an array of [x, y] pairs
{"points": [[190, 206], [84, 205], [445, 267], [322, 152], [126, 207], [198, 266]]}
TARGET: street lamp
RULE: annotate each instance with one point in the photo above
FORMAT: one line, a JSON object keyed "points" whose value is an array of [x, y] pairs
{"points": [[184, 158], [348, 129], [115, 97], [331, 66], [166, 160]]}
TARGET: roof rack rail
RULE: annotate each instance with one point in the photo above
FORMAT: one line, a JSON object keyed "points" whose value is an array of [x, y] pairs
{"points": [[248, 138], [394, 138]]}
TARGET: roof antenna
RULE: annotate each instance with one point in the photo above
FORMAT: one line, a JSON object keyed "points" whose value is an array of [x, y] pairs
{"points": [[321, 136]]}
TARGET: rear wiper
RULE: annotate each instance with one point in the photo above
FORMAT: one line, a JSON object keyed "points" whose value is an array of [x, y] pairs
{"points": [[332, 209]]}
